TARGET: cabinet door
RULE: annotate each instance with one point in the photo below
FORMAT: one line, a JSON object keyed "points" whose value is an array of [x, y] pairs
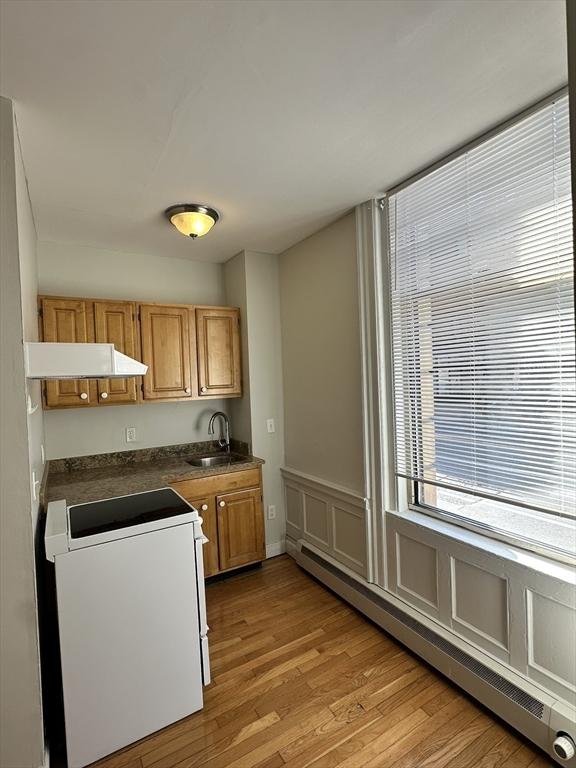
{"points": [[240, 528], [68, 320], [115, 323], [218, 336], [166, 337], [207, 509]]}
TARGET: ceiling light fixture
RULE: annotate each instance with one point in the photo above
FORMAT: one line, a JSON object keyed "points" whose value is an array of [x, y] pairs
{"points": [[192, 219]]}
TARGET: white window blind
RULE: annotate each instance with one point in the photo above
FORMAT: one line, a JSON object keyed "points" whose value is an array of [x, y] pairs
{"points": [[483, 320]]}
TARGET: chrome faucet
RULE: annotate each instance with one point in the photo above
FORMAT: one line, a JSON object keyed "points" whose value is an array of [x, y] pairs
{"points": [[224, 439]]}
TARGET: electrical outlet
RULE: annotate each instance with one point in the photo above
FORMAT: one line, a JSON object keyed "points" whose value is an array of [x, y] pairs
{"points": [[130, 434], [272, 512], [270, 426]]}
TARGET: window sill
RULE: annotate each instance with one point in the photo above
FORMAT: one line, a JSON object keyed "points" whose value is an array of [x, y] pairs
{"points": [[549, 563]]}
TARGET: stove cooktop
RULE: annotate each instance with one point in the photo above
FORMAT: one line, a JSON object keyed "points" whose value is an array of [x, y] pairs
{"points": [[125, 511]]}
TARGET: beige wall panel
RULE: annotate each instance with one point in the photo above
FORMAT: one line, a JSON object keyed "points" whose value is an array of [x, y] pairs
{"points": [[349, 527], [293, 512], [321, 356], [316, 520]]}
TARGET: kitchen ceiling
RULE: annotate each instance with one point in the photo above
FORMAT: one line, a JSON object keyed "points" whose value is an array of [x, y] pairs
{"points": [[282, 115]]}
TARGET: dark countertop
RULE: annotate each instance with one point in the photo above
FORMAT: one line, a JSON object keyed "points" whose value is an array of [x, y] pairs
{"points": [[92, 478]]}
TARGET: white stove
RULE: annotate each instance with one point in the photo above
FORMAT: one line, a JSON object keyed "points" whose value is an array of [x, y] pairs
{"points": [[131, 617]]}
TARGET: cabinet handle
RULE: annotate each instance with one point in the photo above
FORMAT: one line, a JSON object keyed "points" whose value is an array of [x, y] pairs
{"points": [[104, 395], [204, 507], [83, 396], [202, 389], [187, 390], [222, 504]]}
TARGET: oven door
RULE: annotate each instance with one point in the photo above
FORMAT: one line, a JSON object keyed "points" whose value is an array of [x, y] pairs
{"points": [[199, 541]]}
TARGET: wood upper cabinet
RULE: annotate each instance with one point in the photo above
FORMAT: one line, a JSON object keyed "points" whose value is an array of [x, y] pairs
{"points": [[71, 321], [190, 351], [240, 528], [167, 333], [115, 323], [218, 340], [85, 320]]}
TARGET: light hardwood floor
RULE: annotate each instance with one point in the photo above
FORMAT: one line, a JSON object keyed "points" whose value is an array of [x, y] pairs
{"points": [[301, 679]]}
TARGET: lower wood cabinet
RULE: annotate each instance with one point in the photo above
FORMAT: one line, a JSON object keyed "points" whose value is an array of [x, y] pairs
{"points": [[240, 528], [233, 518], [207, 509]]}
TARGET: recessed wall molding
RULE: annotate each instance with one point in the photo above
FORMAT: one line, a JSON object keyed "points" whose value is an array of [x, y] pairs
{"points": [[521, 616], [330, 517]]}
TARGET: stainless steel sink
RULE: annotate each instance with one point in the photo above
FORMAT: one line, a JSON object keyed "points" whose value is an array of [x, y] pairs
{"points": [[216, 460]]}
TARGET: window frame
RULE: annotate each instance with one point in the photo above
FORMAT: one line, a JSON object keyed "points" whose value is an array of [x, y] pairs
{"points": [[384, 490]]}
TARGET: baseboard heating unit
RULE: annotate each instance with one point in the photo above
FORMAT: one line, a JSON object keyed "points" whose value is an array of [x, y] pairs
{"points": [[545, 720]]}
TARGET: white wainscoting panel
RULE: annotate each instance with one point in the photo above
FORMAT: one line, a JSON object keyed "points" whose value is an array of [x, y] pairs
{"points": [[509, 607], [413, 572], [479, 609], [551, 641], [328, 516], [317, 527]]}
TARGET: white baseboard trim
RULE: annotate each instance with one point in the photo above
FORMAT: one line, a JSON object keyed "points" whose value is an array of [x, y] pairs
{"points": [[275, 548]]}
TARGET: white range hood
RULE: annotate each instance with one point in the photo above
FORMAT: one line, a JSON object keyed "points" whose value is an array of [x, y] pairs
{"points": [[49, 360]]}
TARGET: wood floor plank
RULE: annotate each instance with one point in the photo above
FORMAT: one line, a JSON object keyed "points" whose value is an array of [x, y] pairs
{"points": [[352, 736], [173, 753], [457, 744], [302, 680], [523, 757]]}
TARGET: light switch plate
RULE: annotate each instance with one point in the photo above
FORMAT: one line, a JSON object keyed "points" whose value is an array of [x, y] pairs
{"points": [[270, 426]]}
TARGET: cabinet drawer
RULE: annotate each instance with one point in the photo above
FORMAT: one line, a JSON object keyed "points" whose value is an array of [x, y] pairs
{"points": [[200, 487]]}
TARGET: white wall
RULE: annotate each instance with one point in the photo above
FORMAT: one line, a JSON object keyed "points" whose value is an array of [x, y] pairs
{"points": [[321, 356], [27, 248], [21, 727], [252, 282], [75, 270]]}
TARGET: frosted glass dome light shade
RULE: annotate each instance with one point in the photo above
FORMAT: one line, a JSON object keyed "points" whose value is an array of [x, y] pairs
{"points": [[192, 220]]}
